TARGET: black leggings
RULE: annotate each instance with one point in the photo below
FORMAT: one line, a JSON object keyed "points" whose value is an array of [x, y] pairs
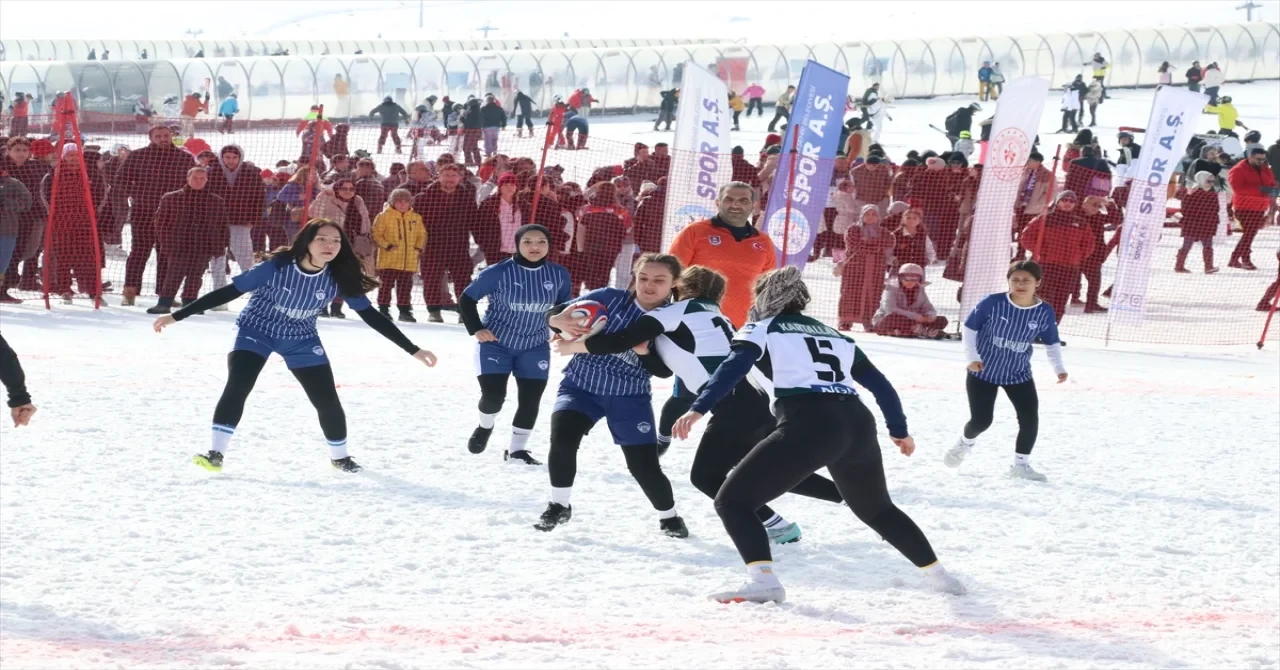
{"points": [[567, 430], [493, 392], [243, 368], [737, 424], [982, 404], [814, 431]]}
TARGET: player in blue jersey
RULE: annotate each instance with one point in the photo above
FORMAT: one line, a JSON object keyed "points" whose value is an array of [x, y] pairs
{"points": [[810, 369], [998, 339], [614, 387], [692, 338], [289, 290], [513, 335]]}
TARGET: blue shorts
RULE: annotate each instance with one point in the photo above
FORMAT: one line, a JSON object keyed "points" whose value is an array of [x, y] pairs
{"points": [[630, 417], [305, 353], [494, 359]]}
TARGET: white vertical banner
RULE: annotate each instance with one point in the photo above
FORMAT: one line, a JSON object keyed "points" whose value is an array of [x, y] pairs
{"points": [[700, 151], [1169, 130], [1013, 132]]}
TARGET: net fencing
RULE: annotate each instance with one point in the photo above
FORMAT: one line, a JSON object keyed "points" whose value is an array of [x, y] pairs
{"points": [[605, 202]]}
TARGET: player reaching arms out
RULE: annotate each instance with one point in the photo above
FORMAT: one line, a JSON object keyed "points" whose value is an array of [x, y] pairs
{"points": [[692, 339], [810, 368], [290, 288], [15, 383], [615, 388], [997, 341], [513, 335]]}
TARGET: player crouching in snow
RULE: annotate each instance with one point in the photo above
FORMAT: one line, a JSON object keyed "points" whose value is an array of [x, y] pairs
{"points": [[905, 309]]}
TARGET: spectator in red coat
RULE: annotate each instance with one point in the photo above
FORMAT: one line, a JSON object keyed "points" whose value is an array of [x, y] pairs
{"points": [[191, 224], [862, 272], [72, 249], [1097, 214], [743, 170], [1060, 241], [601, 230], [448, 212], [1253, 189], [1199, 222], [641, 167], [649, 217], [31, 223], [910, 243]]}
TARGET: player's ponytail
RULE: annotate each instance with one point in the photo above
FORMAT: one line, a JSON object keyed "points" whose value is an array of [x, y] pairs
{"points": [[778, 291], [345, 268], [702, 283]]}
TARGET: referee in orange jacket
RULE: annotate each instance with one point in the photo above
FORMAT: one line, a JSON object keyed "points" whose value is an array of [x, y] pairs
{"points": [[730, 245]]}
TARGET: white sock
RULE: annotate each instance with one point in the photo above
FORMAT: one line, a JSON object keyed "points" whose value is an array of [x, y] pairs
{"points": [[486, 420], [560, 495], [222, 437], [935, 568], [667, 514], [762, 571], [1022, 459], [775, 521], [968, 442], [337, 449], [519, 438]]}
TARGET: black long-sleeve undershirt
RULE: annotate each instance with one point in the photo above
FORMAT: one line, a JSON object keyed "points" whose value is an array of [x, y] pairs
{"points": [[470, 311], [372, 317], [643, 329], [12, 376]]}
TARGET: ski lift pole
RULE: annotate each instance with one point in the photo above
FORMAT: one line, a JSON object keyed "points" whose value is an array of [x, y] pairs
{"points": [[791, 184]]}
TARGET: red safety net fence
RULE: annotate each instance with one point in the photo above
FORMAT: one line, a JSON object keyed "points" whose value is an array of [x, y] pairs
{"points": [[604, 202]]}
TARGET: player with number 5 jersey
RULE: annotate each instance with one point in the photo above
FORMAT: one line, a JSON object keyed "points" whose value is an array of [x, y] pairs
{"points": [[512, 337], [810, 369], [692, 339]]}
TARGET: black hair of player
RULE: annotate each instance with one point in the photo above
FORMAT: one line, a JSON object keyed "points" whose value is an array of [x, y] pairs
{"points": [[345, 268], [1030, 267], [699, 282]]}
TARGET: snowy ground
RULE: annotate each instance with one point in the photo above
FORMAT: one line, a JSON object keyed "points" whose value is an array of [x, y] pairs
{"points": [[1156, 541], [1153, 544]]}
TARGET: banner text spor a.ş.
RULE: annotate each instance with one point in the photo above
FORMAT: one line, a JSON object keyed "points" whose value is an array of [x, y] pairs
{"points": [[701, 147]]}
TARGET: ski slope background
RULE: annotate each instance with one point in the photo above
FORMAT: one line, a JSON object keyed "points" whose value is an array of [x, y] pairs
{"points": [[1154, 543]]}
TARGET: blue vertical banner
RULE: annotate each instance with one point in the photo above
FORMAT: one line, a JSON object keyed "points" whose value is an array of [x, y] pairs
{"points": [[817, 115]]}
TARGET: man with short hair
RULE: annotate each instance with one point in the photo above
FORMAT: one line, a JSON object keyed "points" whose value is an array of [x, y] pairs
{"points": [[369, 186], [448, 211], [191, 225], [146, 176], [730, 245]]}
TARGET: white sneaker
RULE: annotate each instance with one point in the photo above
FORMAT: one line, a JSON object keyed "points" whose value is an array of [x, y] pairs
{"points": [[955, 456], [1017, 471], [752, 592], [941, 581]]}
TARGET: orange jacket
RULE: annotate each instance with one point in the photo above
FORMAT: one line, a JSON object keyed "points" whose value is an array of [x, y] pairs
{"points": [[191, 106], [711, 246]]}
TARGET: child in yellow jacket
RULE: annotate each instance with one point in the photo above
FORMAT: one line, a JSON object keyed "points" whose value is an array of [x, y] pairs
{"points": [[737, 105], [400, 237]]}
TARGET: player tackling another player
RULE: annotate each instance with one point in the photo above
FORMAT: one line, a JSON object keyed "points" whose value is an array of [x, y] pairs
{"points": [[998, 339], [692, 338], [809, 368], [290, 288], [615, 388]]}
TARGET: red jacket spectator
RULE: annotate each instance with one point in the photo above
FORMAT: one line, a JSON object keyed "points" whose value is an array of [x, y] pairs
{"points": [[647, 229], [246, 198], [1059, 238], [192, 223], [745, 172], [871, 183], [1247, 181], [1200, 213]]}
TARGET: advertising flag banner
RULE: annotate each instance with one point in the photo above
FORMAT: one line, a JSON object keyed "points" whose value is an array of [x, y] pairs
{"points": [[700, 148]]}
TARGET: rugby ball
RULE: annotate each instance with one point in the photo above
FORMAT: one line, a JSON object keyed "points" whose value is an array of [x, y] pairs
{"points": [[590, 314]]}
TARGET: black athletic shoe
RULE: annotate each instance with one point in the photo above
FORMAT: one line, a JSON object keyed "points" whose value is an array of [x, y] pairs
{"points": [[479, 440], [674, 527], [406, 315], [385, 310], [555, 515], [522, 456], [335, 310], [346, 465]]}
